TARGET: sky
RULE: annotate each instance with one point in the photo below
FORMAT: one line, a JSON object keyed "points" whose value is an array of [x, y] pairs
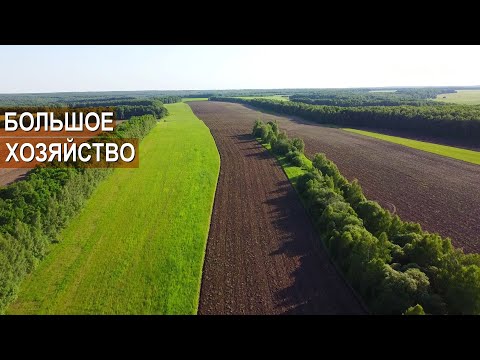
{"points": [[108, 68]]}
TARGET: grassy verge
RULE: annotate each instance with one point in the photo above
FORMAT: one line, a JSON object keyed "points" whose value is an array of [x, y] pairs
{"points": [[292, 172], [138, 245], [442, 150]]}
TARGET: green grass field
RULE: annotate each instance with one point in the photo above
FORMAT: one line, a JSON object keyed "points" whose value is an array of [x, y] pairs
{"points": [[448, 151], [466, 97], [273, 97], [194, 99], [138, 245]]}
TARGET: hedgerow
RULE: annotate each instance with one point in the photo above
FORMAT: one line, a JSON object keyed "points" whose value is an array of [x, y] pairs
{"points": [[394, 265]]}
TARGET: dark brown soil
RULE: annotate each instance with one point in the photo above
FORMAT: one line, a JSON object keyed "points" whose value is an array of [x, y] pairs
{"points": [[260, 257], [442, 194], [8, 176]]}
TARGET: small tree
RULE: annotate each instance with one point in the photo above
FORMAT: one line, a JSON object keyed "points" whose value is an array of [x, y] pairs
{"points": [[298, 144], [281, 147], [274, 126]]}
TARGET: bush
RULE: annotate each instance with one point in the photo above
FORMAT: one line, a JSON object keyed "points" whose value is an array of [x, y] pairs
{"points": [[281, 147], [415, 310], [298, 144], [295, 158], [274, 126], [256, 129]]}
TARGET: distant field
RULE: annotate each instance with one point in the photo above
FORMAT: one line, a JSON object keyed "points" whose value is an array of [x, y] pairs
{"points": [[273, 97], [448, 151], [382, 91], [466, 97], [194, 99], [138, 245]]}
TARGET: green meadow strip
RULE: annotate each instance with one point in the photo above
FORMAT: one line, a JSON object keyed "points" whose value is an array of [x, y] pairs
{"points": [[443, 150]]}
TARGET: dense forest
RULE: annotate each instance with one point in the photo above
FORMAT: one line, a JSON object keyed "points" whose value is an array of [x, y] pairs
{"points": [[152, 107], [360, 97], [394, 265], [89, 99], [68, 98], [447, 121], [124, 107]]}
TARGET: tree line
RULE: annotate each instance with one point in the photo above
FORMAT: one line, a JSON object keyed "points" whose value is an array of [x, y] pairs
{"points": [[154, 108], [394, 265], [363, 100], [34, 210], [63, 99], [124, 101], [88, 99], [365, 97], [124, 107], [447, 121]]}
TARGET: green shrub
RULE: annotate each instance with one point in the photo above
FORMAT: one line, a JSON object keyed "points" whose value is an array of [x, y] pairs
{"points": [[281, 147], [415, 310], [298, 144], [274, 126], [295, 158], [256, 128]]}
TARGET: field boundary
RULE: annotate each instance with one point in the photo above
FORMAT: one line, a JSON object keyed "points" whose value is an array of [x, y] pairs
{"points": [[211, 210]]}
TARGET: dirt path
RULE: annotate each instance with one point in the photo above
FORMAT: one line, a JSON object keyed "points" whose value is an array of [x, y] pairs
{"points": [[260, 257], [8, 176], [442, 194]]}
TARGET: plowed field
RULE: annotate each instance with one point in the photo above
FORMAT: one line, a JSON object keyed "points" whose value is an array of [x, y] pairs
{"points": [[442, 194], [260, 257]]}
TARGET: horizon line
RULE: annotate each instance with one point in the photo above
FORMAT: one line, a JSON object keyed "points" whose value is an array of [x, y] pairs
{"points": [[243, 89]]}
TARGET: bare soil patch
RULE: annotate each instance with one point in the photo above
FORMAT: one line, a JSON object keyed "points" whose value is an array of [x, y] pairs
{"points": [[8, 176]]}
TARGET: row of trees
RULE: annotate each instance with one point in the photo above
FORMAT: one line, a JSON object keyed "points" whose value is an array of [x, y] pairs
{"points": [[364, 100], [88, 99], [364, 97], [155, 108], [448, 121], [85, 98], [127, 101], [124, 108], [34, 210], [394, 265]]}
